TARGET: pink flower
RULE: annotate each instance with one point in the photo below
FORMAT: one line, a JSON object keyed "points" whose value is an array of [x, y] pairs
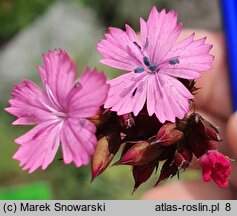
{"points": [[215, 166], [59, 111], [154, 61]]}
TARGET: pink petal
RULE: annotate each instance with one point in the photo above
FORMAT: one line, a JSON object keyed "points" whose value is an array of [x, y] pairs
{"points": [[78, 141], [38, 146], [115, 49], [117, 64], [167, 98], [57, 74], [85, 100], [215, 166], [193, 56], [143, 32], [131, 34], [29, 104], [163, 31], [121, 98]]}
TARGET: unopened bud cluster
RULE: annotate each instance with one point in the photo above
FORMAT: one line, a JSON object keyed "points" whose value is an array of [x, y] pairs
{"points": [[145, 143]]}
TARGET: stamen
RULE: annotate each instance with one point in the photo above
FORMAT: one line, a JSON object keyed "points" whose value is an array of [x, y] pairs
{"points": [[146, 61], [52, 99], [134, 92], [146, 43], [54, 111], [139, 69], [153, 67], [137, 45], [174, 61]]}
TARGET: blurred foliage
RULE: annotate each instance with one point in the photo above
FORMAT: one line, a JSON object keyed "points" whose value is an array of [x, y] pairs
{"points": [[33, 191], [16, 14], [118, 12]]}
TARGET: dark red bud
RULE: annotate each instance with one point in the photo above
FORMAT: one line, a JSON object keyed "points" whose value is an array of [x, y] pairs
{"points": [[204, 127], [142, 173], [183, 157], [169, 169], [167, 152], [181, 124], [114, 140], [126, 147], [211, 145], [199, 144], [168, 135], [141, 153], [212, 133]]}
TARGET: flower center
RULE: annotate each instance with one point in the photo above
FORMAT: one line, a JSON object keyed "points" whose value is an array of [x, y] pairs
{"points": [[153, 68], [149, 66]]}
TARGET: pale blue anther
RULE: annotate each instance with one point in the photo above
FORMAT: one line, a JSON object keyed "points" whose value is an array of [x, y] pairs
{"points": [[174, 61], [153, 67], [146, 61], [139, 70]]}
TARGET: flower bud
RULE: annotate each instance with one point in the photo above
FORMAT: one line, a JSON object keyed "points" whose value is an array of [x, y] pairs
{"points": [[168, 135], [142, 173], [215, 166], [169, 169], [145, 127], [141, 153], [204, 127], [105, 150], [199, 144], [182, 158]]}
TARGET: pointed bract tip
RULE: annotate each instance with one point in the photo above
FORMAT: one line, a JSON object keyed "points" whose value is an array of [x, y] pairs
{"points": [[92, 179], [134, 190], [117, 163]]}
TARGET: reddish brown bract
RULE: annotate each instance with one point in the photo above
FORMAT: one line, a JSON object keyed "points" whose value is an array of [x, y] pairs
{"points": [[145, 142]]}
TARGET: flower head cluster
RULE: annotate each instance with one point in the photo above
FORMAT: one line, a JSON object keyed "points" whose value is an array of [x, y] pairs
{"points": [[144, 113], [145, 142], [160, 81]]}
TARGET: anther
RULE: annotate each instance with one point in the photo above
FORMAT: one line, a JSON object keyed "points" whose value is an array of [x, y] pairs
{"points": [[139, 69], [153, 67], [174, 61], [146, 61], [137, 45], [134, 92]]}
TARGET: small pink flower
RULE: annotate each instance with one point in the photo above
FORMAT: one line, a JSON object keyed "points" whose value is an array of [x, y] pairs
{"points": [[59, 111], [215, 166], [154, 61]]}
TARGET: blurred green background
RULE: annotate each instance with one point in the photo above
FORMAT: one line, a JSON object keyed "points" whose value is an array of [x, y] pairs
{"points": [[28, 28]]}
